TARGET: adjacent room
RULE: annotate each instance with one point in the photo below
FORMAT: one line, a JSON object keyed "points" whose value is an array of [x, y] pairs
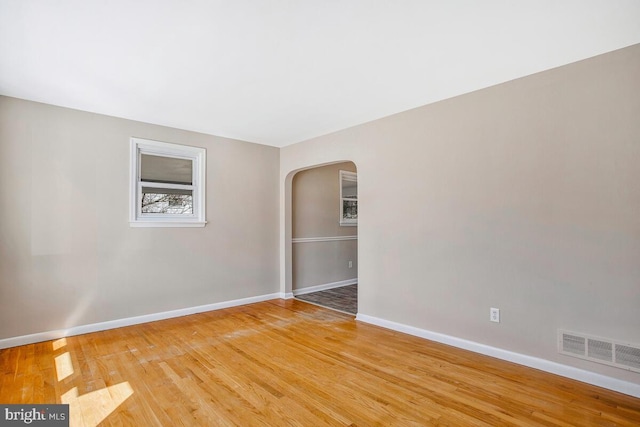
{"points": [[320, 213], [325, 236]]}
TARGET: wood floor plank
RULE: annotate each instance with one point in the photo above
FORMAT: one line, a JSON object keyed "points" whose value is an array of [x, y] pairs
{"points": [[286, 362]]}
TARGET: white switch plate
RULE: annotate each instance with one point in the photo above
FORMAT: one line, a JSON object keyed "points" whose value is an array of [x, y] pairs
{"points": [[494, 315]]}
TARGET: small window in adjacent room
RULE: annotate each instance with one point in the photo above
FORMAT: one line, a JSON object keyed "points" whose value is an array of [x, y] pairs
{"points": [[167, 185], [348, 198]]}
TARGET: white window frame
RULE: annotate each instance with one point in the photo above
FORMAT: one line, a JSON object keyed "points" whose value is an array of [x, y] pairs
{"points": [[139, 146], [347, 176]]}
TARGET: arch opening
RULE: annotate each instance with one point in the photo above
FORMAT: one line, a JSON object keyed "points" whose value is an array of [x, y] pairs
{"points": [[320, 238]]}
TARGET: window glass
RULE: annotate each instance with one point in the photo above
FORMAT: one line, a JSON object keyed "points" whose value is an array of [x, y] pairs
{"points": [[348, 198], [167, 187], [168, 170], [166, 201], [349, 189], [349, 210]]}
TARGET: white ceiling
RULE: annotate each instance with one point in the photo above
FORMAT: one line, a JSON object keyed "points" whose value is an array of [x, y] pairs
{"points": [[278, 72]]}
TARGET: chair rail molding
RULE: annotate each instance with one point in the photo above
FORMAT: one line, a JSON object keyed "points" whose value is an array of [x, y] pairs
{"points": [[322, 239]]}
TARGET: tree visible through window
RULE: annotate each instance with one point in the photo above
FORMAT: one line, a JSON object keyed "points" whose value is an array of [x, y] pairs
{"points": [[348, 198], [169, 185], [161, 202]]}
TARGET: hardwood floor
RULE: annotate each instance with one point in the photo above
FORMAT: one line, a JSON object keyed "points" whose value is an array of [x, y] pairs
{"points": [[286, 362]]}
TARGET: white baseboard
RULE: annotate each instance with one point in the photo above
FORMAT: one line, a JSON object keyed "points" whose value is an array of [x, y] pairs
{"points": [[593, 378], [325, 286], [119, 323], [286, 295]]}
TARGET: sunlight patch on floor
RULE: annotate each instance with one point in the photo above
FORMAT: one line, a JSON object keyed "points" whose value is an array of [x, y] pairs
{"points": [[64, 367], [57, 344], [92, 408]]}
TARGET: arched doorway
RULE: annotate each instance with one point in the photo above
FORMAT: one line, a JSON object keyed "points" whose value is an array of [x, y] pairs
{"points": [[324, 236]]}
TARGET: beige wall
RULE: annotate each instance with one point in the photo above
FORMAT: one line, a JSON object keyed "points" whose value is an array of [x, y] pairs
{"points": [[316, 202], [324, 263], [524, 196], [67, 254], [316, 213]]}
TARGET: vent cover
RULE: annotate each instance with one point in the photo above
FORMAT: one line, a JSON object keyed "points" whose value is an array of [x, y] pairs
{"points": [[573, 344], [628, 356], [601, 350]]}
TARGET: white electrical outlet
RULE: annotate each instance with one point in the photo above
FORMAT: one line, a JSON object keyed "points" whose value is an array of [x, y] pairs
{"points": [[494, 315], [350, 264]]}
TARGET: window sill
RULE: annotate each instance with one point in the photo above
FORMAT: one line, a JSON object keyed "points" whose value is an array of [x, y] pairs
{"points": [[165, 224], [348, 224]]}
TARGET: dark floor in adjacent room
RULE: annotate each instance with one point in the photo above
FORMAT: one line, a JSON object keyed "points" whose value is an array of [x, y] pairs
{"points": [[343, 299]]}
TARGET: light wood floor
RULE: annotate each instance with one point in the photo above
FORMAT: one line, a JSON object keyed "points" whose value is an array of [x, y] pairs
{"points": [[291, 363]]}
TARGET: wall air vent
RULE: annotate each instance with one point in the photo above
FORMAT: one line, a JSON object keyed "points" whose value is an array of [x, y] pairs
{"points": [[628, 356], [573, 344], [601, 350]]}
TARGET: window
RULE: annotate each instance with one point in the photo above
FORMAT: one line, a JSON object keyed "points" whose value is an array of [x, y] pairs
{"points": [[348, 198], [167, 185]]}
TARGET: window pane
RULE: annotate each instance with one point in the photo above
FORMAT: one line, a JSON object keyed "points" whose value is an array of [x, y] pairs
{"points": [[167, 201], [166, 169], [349, 209], [349, 189]]}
